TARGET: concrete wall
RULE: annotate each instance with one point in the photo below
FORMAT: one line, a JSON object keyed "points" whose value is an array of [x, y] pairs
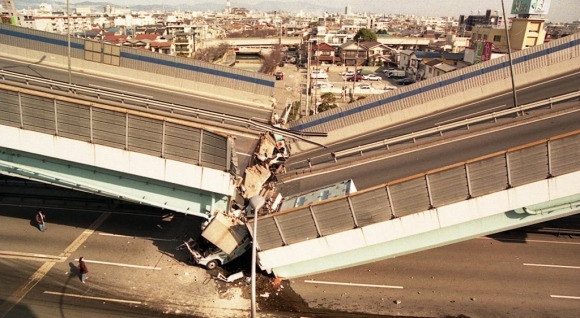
{"points": [[149, 68], [437, 94], [174, 185], [492, 213]]}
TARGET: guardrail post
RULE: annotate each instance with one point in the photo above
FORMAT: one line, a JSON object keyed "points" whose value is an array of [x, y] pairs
{"points": [[507, 165], [315, 221], [20, 110], [309, 163], [55, 118], [469, 192], [279, 230], [429, 191], [548, 152]]}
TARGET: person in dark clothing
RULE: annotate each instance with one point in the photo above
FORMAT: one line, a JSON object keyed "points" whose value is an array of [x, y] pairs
{"points": [[83, 269], [40, 218]]}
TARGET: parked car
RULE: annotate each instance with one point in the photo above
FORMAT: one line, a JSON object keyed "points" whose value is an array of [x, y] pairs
{"points": [[279, 75], [372, 77], [319, 75], [364, 86], [388, 70], [405, 81], [320, 85], [397, 74], [389, 88], [346, 73], [354, 78]]}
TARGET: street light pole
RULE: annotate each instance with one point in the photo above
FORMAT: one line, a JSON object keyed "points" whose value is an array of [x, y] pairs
{"points": [[255, 204], [510, 56]]}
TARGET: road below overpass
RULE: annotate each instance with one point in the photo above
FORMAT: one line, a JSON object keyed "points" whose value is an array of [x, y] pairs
{"points": [[512, 274], [134, 270]]}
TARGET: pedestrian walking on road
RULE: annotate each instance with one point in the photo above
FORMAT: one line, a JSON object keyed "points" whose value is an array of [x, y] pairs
{"points": [[40, 218], [83, 269]]}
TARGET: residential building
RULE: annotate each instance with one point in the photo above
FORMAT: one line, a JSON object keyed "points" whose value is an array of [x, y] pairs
{"points": [[352, 53], [524, 33], [324, 54], [379, 54]]}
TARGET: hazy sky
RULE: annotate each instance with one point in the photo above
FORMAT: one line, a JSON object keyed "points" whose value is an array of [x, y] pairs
{"points": [[560, 10]]}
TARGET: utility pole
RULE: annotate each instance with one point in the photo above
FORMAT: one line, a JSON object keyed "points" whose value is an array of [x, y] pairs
{"points": [[68, 42], [307, 77], [510, 56], [355, 76]]}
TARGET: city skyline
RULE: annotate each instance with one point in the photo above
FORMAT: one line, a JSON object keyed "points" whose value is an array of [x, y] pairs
{"points": [[560, 10]]}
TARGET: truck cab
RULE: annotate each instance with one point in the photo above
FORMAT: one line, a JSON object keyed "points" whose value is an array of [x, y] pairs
{"points": [[211, 256], [224, 239]]}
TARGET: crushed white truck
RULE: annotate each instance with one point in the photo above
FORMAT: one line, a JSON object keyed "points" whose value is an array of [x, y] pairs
{"points": [[224, 239]]}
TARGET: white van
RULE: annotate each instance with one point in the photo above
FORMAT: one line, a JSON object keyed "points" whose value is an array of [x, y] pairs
{"points": [[318, 73]]}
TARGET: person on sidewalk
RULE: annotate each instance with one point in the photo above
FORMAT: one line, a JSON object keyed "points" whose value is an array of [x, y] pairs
{"points": [[40, 218], [83, 269]]}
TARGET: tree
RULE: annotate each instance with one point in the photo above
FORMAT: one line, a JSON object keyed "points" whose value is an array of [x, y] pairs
{"points": [[212, 54], [365, 35], [327, 102], [271, 60]]}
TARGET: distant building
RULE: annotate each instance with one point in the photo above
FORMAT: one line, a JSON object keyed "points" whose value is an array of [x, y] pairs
{"points": [[347, 10], [9, 13], [524, 33], [491, 18]]}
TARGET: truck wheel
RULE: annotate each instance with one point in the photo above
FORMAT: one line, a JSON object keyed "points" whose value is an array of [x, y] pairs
{"points": [[211, 264]]}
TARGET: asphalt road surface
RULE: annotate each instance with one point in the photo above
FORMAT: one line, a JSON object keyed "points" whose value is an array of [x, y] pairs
{"points": [[514, 274]]}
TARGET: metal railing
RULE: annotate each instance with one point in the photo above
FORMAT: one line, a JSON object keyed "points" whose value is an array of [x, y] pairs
{"points": [[465, 180], [454, 125], [236, 123]]}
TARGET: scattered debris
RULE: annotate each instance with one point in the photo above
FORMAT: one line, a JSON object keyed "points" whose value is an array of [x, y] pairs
{"points": [[231, 278]]}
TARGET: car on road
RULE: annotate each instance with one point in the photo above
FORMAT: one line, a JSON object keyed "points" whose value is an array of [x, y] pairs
{"points": [[372, 77], [389, 88], [279, 75], [354, 78], [364, 86], [405, 81]]}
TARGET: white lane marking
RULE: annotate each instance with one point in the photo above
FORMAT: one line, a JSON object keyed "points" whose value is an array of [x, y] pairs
{"points": [[425, 147], [121, 264], [528, 241], [488, 111], [137, 237], [31, 256], [23, 290], [131, 94], [555, 266], [566, 297], [135, 302], [351, 284]]}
